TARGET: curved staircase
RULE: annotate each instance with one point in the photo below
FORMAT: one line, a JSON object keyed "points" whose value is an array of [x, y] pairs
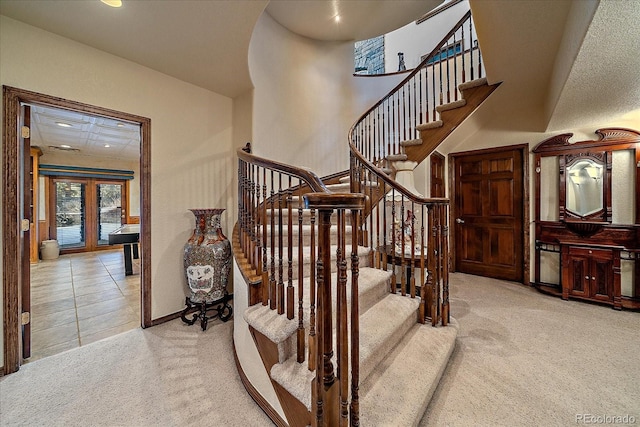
{"points": [[344, 275], [395, 382]]}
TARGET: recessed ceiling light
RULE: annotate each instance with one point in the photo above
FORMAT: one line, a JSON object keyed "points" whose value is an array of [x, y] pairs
{"points": [[64, 125], [65, 146], [106, 146], [337, 18], [112, 3]]}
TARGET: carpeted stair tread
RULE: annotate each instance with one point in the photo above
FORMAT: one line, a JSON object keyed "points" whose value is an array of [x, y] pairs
{"points": [[306, 216], [296, 378], [398, 391], [430, 125], [411, 142], [396, 157], [472, 83], [373, 285], [274, 326], [269, 323], [363, 259], [381, 328], [339, 188], [306, 233], [452, 105]]}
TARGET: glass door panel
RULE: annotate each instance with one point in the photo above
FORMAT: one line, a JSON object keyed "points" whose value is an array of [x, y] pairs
{"points": [[109, 212], [70, 214]]}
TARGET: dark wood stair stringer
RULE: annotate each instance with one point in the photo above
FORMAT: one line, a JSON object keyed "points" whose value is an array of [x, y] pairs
{"points": [[451, 119]]}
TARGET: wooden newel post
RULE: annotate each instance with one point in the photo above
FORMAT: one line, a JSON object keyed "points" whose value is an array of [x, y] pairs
{"points": [[327, 393]]}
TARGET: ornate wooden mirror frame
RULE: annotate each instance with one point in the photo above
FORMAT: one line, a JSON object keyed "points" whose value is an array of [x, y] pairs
{"points": [[599, 152], [589, 242]]}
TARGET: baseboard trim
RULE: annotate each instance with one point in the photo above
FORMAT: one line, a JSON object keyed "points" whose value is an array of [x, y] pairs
{"points": [[164, 319], [256, 396]]}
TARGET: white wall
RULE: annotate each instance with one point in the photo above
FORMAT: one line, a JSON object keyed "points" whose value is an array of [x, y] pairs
{"points": [[192, 156], [416, 40], [303, 102]]}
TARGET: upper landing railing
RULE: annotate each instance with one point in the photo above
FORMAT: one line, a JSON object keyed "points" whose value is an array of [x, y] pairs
{"points": [[397, 117]]}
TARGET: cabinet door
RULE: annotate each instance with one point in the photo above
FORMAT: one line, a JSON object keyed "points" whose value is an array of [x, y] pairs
{"points": [[601, 280], [579, 275]]}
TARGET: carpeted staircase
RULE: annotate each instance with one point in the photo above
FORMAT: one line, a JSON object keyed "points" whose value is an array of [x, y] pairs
{"points": [[401, 361]]}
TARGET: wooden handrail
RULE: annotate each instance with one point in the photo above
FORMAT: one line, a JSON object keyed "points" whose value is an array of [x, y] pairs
{"points": [[394, 184], [266, 225], [303, 173], [415, 71]]}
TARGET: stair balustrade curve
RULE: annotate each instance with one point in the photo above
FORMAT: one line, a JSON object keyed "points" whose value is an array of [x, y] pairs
{"points": [[343, 271]]}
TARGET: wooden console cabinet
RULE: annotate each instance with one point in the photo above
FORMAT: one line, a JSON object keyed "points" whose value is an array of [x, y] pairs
{"points": [[580, 230], [591, 273]]}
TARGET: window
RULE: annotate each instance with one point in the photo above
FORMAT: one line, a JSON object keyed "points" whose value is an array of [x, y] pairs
{"points": [[447, 52]]}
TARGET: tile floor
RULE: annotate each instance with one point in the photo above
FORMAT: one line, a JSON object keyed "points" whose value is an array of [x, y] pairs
{"points": [[81, 298]]}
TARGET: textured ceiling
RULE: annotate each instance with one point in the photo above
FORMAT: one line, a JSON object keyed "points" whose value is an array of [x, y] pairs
{"points": [[52, 129], [359, 20], [520, 40], [604, 82], [205, 42]]}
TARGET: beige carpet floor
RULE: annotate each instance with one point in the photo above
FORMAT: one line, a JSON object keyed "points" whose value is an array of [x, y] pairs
{"points": [[168, 375], [522, 359], [527, 359]]}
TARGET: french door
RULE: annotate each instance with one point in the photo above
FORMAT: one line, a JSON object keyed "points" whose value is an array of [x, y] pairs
{"points": [[84, 211]]}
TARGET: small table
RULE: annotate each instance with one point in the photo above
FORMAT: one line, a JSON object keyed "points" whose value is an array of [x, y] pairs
{"points": [[405, 260], [128, 236]]}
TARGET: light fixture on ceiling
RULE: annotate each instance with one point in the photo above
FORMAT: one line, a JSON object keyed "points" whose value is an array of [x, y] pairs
{"points": [[63, 147], [337, 18], [120, 125], [64, 125], [112, 3], [106, 146]]}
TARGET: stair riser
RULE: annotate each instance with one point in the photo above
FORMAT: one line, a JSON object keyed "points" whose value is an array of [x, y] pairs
{"points": [[374, 345], [306, 217], [367, 298], [363, 262], [306, 236], [384, 345]]}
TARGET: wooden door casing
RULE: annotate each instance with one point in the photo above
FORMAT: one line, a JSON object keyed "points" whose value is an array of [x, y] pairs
{"points": [[27, 217], [13, 268], [488, 215]]}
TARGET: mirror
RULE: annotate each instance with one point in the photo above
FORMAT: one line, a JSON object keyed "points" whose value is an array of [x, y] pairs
{"points": [[584, 187]]}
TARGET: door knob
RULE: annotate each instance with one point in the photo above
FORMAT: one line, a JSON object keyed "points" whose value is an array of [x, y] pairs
{"points": [[460, 220]]}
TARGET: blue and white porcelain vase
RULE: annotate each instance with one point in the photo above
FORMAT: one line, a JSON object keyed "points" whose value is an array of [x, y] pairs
{"points": [[207, 258]]}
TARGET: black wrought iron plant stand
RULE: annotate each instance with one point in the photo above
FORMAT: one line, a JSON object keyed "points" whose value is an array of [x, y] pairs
{"points": [[220, 307]]}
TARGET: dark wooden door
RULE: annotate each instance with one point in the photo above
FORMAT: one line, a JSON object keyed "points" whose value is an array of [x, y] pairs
{"points": [[489, 189], [25, 238], [437, 175]]}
